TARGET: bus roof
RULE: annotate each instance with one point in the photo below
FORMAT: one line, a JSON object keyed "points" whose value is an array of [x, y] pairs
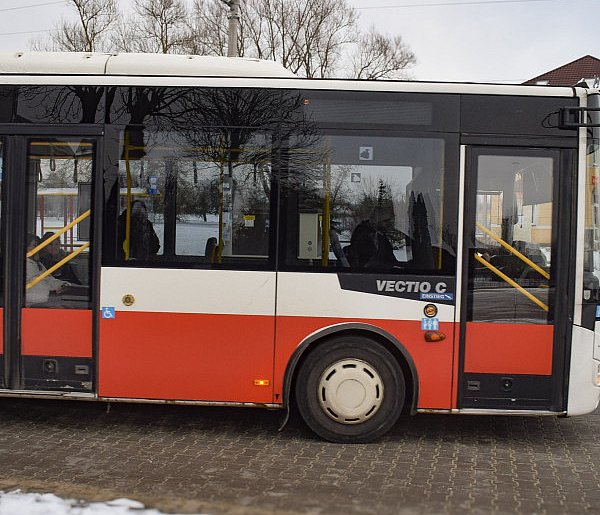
{"points": [[94, 63], [131, 69]]}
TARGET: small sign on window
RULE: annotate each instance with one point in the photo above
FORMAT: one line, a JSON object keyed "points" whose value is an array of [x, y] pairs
{"points": [[153, 185], [365, 154]]}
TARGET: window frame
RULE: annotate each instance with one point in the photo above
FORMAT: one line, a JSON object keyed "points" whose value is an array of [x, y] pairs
{"points": [[288, 236], [183, 261]]}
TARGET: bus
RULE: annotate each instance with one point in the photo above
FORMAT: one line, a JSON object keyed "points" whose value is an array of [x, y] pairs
{"points": [[217, 231]]}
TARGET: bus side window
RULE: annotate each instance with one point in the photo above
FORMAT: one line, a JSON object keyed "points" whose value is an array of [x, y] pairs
{"points": [[183, 204], [375, 207]]}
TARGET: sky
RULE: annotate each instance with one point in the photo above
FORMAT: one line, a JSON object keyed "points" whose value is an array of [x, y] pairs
{"points": [[454, 40]]}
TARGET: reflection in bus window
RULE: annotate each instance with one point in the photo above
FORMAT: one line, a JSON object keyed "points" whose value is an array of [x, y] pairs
{"points": [[591, 272], [512, 240], [58, 242], [198, 195], [374, 204], [51, 104]]}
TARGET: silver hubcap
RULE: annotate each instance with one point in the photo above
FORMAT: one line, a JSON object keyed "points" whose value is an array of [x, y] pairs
{"points": [[350, 391]]}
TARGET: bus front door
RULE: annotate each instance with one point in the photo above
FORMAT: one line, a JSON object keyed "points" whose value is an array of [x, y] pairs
{"points": [[511, 347], [47, 268]]}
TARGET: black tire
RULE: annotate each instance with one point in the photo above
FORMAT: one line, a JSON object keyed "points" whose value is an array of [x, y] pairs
{"points": [[350, 389]]}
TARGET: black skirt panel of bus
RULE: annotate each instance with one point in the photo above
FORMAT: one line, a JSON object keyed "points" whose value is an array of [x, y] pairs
{"points": [[505, 391], [57, 373]]}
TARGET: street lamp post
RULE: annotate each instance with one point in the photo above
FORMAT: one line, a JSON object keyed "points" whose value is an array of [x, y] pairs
{"points": [[234, 22]]}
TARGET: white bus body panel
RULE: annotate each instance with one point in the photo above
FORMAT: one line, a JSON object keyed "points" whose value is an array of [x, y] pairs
{"points": [[320, 295], [583, 394], [224, 292]]}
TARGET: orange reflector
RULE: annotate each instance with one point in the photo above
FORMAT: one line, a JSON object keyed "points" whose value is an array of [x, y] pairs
{"points": [[262, 382], [434, 336]]}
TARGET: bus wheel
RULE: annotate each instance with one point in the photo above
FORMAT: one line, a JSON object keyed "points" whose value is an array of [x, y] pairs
{"points": [[350, 390]]}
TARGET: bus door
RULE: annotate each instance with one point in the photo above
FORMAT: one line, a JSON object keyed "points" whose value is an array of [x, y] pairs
{"points": [[512, 344], [46, 245]]}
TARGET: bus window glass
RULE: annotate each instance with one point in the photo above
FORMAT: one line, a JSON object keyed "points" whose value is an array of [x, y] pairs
{"points": [[59, 179], [511, 279], [374, 203], [591, 272], [199, 161], [200, 199], [52, 104]]}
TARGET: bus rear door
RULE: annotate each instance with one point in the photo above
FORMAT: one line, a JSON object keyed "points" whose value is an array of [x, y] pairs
{"points": [[514, 277]]}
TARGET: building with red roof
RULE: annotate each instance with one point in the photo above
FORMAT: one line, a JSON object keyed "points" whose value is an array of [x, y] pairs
{"points": [[586, 68]]}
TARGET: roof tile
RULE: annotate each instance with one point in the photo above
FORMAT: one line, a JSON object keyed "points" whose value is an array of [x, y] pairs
{"points": [[586, 67]]}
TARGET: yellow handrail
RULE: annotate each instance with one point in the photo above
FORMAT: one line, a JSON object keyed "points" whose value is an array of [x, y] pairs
{"points": [[66, 259], [514, 251], [515, 285], [326, 222], [58, 234]]}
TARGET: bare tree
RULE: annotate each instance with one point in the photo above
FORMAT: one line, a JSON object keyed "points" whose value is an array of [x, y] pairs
{"points": [[379, 56], [306, 36], [207, 29], [88, 33], [158, 26], [312, 38], [124, 36], [325, 28]]}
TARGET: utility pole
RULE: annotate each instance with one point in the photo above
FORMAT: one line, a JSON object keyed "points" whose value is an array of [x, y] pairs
{"points": [[234, 23]]}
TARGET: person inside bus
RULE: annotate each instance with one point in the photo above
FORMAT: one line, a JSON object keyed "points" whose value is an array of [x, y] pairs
{"points": [[41, 293], [52, 254], [143, 241], [211, 250], [370, 246]]}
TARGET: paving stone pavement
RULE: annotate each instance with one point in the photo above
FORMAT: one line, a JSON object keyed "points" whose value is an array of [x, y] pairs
{"points": [[234, 461]]}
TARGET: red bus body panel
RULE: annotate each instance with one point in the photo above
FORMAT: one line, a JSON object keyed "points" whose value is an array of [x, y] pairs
{"points": [[433, 361], [495, 348], [184, 356], [56, 332]]}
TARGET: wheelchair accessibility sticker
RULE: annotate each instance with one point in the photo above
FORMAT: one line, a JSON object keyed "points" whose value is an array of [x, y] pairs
{"points": [[108, 312]]}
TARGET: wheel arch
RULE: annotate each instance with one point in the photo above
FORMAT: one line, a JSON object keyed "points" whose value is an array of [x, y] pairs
{"points": [[354, 328]]}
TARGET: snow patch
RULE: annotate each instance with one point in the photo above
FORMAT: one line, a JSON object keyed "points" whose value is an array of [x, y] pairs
{"points": [[49, 504]]}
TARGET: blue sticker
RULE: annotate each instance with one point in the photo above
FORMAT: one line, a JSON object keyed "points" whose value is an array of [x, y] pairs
{"points": [[108, 312], [430, 324], [437, 296], [597, 311]]}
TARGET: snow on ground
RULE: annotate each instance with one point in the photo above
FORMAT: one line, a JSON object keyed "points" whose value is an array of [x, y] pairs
{"points": [[17, 502]]}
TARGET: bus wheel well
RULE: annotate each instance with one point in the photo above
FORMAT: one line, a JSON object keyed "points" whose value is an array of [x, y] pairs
{"points": [[401, 355]]}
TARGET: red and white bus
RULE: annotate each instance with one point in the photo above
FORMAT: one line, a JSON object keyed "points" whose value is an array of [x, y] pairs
{"points": [[217, 231]]}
